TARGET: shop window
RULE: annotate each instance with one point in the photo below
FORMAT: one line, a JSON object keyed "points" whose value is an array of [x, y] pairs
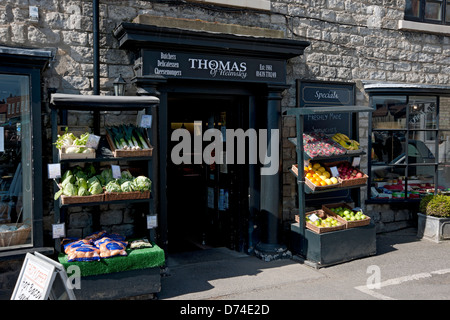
{"points": [[429, 11], [410, 146], [16, 187]]}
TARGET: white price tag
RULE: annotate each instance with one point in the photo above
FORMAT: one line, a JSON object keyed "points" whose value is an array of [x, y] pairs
{"points": [[116, 171], [54, 170], [58, 230], [93, 141], [152, 221], [313, 217], [334, 172], [356, 161], [358, 209], [146, 121]]}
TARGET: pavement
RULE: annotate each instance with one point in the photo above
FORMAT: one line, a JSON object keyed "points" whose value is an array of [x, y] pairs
{"points": [[404, 268]]}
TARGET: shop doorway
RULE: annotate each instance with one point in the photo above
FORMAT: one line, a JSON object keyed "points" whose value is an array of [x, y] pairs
{"points": [[207, 203]]}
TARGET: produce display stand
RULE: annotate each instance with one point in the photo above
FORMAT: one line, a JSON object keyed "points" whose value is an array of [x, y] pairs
{"points": [[138, 272], [121, 281], [326, 248]]}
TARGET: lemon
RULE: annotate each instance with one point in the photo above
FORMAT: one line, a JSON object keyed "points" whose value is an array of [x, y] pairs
{"points": [[328, 181], [333, 180]]}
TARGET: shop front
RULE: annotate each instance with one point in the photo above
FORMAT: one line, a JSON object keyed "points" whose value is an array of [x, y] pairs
{"points": [[220, 123]]}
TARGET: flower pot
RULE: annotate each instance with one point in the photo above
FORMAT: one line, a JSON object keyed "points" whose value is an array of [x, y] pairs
{"points": [[433, 228]]}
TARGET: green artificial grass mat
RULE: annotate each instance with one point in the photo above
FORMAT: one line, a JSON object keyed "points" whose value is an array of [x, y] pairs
{"points": [[136, 259]]}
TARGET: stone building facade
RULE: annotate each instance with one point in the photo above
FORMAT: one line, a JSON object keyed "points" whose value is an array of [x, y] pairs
{"points": [[350, 41]]}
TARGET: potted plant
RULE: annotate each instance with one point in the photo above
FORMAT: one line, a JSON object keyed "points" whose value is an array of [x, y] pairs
{"points": [[434, 219]]}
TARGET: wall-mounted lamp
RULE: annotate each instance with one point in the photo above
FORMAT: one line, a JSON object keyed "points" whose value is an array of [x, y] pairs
{"points": [[119, 86]]}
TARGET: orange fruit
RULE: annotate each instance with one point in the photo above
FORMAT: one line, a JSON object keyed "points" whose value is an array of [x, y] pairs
{"points": [[317, 183], [323, 183]]}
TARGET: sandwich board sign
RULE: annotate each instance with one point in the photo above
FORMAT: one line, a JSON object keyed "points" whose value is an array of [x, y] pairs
{"points": [[39, 279]]}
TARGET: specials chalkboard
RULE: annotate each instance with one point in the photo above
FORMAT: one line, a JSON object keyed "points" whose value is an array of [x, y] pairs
{"points": [[322, 94]]}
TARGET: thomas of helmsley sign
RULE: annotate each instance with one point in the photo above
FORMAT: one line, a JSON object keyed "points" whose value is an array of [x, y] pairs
{"points": [[173, 64]]}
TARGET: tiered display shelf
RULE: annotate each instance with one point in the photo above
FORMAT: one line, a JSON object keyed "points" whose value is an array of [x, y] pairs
{"points": [[333, 247], [144, 281]]}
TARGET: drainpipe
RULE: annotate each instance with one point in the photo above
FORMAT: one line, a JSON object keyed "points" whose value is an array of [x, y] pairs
{"points": [[96, 15], [270, 203]]}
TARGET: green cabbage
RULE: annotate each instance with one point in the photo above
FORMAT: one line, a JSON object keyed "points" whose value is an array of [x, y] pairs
{"points": [[67, 180], [66, 174], [100, 179], [142, 183], [58, 194], [113, 186], [127, 186], [82, 191], [126, 175], [107, 176], [70, 190], [95, 188], [93, 180], [82, 183]]}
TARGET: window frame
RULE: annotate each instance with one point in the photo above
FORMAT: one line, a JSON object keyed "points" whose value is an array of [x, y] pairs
{"points": [[408, 92], [31, 63], [422, 18]]}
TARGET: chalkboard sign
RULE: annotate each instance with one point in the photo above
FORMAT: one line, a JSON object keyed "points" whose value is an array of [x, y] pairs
{"points": [[322, 94], [37, 277]]}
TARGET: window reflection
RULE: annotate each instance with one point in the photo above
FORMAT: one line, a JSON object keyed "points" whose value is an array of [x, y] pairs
{"points": [[444, 178], [444, 112], [447, 14], [15, 161], [444, 147], [433, 10], [390, 112], [387, 145], [422, 112], [412, 8]]}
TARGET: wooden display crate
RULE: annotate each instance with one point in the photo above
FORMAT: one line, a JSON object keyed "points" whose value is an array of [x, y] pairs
{"points": [[133, 195], [349, 224], [323, 215], [82, 199], [311, 185], [75, 156], [348, 182], [118, 153]]}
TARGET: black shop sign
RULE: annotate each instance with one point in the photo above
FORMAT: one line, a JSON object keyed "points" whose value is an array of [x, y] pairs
{"points": [[323, 94], [183, 65]]}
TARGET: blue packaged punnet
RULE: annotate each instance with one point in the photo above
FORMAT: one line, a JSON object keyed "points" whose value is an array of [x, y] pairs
{"points": [[110, 248], [83, 252], [72, 245]]}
